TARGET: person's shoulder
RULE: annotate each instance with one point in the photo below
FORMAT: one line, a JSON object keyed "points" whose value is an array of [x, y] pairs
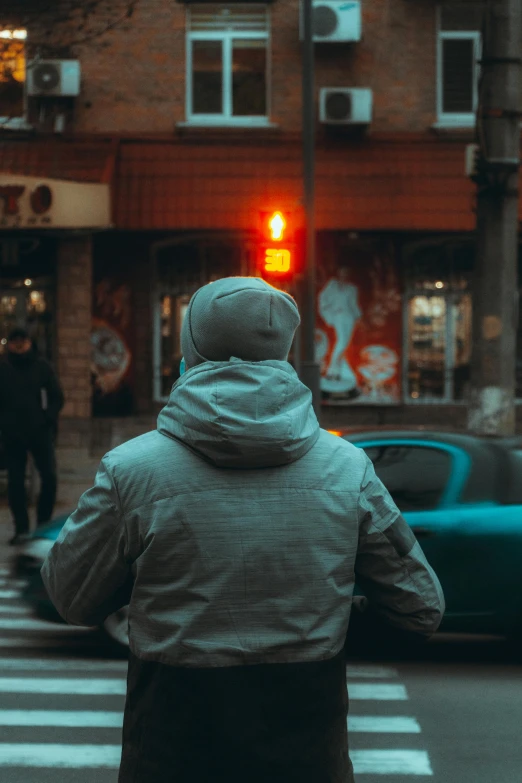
{"points": [[342, 448]]}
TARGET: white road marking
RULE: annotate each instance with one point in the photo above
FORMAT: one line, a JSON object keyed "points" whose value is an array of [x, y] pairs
{"points": [[81, 664], [391, 762], [52, 639], [64, 756], [13, 583], [5, 570], [9, 594], [78, 718], [71, 685], [377, 691], [354, 672], [38, 625], [15, 609], [383, 724]]}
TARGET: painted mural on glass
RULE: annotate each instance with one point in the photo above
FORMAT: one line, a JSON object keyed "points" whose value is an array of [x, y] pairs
{"points": [[111, 355], [359, 322]]}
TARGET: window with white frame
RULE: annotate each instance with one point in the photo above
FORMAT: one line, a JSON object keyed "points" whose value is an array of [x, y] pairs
{"points": [[437, 327], [227, 64], [12, 75], [458, 55]]}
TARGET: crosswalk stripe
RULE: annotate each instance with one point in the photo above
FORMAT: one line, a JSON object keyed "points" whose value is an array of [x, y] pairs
{"points": [[83, 664], [15, 609], [7, 594], [354, 672], [12, 583], [52, 639], [383, 724], [71, 685], [377, 691], [76, 719], [61, 756], [38, 625], [391, 762]]}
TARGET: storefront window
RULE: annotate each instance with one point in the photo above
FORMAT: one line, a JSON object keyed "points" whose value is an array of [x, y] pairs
{"points": [[12, 73], [180, 271], [438, 324], [24, 304], [172, 313], [439, 349]]}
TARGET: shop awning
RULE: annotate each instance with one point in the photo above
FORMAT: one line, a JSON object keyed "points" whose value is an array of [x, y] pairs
{"points": [[58, 159], [370, 185]]}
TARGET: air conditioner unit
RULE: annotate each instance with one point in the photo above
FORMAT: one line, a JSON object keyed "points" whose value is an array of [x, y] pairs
{"points": [[53, 78], [334, 21], [345, 106]]}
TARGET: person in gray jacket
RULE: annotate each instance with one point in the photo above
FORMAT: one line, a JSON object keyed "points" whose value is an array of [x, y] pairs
{"points": [[236, 532]]}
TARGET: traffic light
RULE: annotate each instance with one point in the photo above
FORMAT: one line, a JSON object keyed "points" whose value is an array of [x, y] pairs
{"points": [[277, 251]]}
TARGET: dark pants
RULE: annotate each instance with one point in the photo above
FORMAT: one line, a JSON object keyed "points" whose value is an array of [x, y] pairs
{"points": [[42, 450], [264, 723]]}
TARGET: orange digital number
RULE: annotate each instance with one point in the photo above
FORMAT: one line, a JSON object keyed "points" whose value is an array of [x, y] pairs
{"points": [[277, 260]]}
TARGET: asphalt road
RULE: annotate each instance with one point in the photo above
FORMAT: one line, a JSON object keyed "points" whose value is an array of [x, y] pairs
{"points": [[452, 715]]}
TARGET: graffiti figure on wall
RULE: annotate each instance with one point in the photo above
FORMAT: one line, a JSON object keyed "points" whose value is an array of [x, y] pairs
{"points": [[359, 330], [339, 308]]}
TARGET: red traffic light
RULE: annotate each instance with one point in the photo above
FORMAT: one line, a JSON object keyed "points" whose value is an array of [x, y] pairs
{"points": [[277, 226], [277, 248]]}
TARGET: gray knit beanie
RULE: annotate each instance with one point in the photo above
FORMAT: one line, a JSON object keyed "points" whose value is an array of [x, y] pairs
{"points": [[238, 316]]}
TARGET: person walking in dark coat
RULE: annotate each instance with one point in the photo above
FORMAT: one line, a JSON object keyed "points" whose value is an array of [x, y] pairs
{"points": [[236, 532], [30, 402]]}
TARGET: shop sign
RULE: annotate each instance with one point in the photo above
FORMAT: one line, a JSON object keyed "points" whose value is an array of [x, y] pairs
{"points": [[29, 202]]}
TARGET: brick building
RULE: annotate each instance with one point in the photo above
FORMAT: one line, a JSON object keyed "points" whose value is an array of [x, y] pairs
{"points": [[151, 170]]}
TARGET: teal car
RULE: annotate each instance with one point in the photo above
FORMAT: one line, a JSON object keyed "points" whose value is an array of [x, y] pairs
{"points": [[462, 497]]}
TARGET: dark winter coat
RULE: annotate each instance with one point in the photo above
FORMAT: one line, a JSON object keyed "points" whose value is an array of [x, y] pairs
{"points": [[236, 531], [30, 398]]}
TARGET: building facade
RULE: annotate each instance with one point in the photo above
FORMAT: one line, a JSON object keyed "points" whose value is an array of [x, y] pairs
{"points": [[150, 172]]}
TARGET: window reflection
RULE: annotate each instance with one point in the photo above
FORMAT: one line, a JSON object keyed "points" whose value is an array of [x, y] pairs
{"points": [[439, 350], [12, 72], [172, 313], [249, 78], [207, 79]]}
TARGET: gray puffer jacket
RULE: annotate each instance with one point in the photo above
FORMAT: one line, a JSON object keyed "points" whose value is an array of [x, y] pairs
{"points": [[236, 532]]}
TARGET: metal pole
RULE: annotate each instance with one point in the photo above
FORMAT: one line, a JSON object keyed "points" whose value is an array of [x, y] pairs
{"points": [[495, 305], [310, 370]]}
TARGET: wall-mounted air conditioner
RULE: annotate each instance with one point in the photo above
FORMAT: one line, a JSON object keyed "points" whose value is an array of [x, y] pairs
{"points": [[334, 21], [345, 106], [53, 78]]}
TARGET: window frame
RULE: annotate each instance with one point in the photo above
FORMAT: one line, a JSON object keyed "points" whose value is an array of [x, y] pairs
{"points": [[18, 123], [226, 118], [456, 119], [450, 297], [460, 467]]}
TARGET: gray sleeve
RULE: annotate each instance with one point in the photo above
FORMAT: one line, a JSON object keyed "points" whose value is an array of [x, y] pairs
{"points": [[87, 573], [390, 567]]}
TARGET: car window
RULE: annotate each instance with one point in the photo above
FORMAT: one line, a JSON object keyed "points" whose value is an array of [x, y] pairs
{"points": [[515, 489], [415, 476]]}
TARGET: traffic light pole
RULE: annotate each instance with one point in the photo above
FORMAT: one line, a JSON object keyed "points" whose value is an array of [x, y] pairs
{"points": [[310, 369], [495, 295]]}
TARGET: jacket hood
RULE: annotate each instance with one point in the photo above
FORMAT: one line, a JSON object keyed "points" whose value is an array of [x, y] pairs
{"points": [[240, 414]]}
